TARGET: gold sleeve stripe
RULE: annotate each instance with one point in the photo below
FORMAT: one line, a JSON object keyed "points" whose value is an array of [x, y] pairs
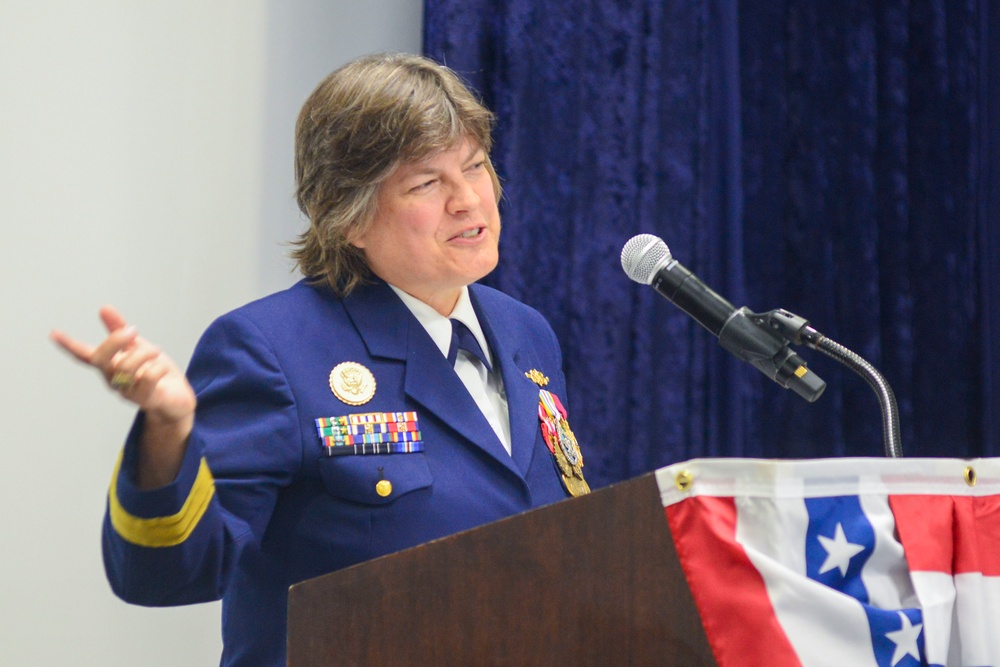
{"points": [[164, 531]]}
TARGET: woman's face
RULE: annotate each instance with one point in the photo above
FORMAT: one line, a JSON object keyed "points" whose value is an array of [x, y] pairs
{"points": [[437, 226]]}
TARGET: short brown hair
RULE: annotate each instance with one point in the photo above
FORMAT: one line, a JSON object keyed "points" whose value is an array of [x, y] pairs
{"points": [[356, 128]]}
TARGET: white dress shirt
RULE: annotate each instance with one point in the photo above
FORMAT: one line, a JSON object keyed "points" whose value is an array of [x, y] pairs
{"points": [[485, 387]]}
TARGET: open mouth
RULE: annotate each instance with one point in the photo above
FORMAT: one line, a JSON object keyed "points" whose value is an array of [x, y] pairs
{"points": [[471, 233]]}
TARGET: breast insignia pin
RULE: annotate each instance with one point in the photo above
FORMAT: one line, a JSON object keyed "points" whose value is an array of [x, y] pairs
{"points": [[352, 383], [537, 377]]}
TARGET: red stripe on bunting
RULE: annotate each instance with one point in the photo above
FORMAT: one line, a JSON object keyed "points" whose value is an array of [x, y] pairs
{"points": [[949, 534], [925, 525], [730, 594]]}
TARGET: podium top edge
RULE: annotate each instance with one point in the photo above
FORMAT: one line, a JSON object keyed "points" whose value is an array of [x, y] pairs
{"points": [[812, 478]]}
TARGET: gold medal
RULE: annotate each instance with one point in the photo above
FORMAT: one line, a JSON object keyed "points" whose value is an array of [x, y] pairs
{"points": [[562, 443], [577, 486], [570, 460], [352, 383]]}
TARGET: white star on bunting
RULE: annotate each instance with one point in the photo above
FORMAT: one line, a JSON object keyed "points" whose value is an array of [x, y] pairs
{"points": [[905, 640], [839, 551]]}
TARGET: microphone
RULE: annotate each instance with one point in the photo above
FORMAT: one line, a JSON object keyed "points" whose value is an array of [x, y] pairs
{"points": [[647, 260]]}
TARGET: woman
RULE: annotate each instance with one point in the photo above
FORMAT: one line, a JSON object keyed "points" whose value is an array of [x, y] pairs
{"points": [[348, 416]]}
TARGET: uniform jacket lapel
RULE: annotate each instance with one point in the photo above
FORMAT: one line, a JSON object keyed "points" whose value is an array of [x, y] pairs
{"points": [[390, 331], [505, 340]]}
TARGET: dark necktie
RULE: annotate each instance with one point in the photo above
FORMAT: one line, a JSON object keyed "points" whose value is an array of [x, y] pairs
{"points": [[463, 339]]}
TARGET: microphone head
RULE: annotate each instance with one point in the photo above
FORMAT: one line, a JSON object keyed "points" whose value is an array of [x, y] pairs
{"points": [[643, 256]]}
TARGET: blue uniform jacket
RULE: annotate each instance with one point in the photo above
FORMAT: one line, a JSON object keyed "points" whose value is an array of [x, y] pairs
{"points": [[258, 505]]}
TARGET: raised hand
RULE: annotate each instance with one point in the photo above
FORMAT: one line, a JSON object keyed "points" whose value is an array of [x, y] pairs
{"points": [[141, 373]]}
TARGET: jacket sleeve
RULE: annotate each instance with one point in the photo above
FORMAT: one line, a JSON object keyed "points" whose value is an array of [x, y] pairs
{"points": [[178, 544]]}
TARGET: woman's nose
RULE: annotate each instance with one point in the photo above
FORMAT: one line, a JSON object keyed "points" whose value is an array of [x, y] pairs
{"points": [[464, 197]]}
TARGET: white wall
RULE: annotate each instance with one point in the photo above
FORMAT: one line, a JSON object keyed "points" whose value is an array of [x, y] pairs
{"points": [[145, 161]]}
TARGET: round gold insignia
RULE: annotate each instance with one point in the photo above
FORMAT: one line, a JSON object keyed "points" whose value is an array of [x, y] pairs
{"points": [[352, 383]]}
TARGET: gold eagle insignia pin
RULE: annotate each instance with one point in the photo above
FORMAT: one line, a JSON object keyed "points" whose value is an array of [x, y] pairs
{"points": [[352, 383]]}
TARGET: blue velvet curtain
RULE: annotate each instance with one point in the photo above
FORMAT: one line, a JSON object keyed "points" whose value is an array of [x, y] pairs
{"points": [[835, 159]]}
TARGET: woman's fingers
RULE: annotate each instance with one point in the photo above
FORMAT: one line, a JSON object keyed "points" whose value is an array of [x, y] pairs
{"points": [[127, 365], [112, 319], [120, 357], [111, 348], [120, 336], [81, 351]]}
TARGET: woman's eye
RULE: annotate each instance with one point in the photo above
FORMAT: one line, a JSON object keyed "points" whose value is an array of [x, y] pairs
{"points": [[423, 186]]}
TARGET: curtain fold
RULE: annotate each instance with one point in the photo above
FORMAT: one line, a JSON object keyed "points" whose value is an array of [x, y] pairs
{"points": [[831, 160]]}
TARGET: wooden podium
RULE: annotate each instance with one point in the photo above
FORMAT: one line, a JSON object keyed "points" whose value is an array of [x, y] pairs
{"points": [[589, 581]]}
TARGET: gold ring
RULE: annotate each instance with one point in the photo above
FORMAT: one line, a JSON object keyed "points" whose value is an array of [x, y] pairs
{"points": [[122, 381]]}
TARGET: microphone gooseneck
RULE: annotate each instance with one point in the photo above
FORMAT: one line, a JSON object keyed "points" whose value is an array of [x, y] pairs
{"points": [[763, 339]]}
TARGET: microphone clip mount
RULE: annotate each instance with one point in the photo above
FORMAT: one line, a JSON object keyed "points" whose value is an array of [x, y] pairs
{"points": [[762, 340]]}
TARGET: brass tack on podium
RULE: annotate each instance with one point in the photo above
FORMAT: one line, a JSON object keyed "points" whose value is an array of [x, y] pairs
{"points": [[684, 480]]}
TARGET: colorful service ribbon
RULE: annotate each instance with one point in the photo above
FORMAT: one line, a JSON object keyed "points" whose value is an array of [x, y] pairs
{"points": [[371, 433]]}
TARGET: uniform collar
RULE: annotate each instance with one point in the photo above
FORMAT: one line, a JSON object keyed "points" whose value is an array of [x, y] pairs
{"points": [[438, 327]]}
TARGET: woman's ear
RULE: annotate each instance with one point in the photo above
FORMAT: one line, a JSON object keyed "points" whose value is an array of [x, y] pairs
{"points": [[357, 238]]}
